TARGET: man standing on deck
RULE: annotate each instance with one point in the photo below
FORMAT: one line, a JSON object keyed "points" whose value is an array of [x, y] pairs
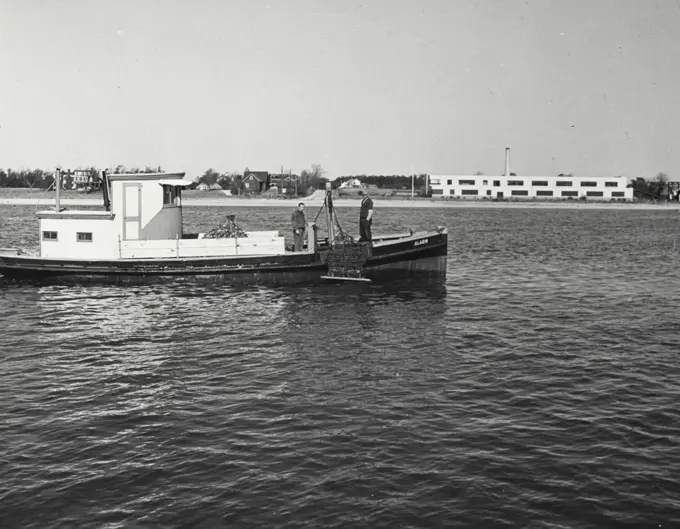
{"points": [[365, 219], [299, 225]]}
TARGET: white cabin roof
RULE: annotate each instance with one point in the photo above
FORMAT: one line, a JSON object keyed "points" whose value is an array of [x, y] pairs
{"points": [[113, 177], [74, 214], [177, 183]]}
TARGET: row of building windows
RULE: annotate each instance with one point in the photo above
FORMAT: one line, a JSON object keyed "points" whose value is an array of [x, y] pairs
{"points": [[539, 193], [537, 183], [80, 236]]}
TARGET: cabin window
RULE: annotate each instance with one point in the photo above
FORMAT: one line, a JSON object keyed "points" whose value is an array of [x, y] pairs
{"points": [[49, 236], [171, 195], [84, 236]]}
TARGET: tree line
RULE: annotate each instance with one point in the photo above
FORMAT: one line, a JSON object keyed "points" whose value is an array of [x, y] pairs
{"points": [[385, 181], [654, 188], [26, 178], [313, 177], [41, 179], [308, 179], [657, 188]]}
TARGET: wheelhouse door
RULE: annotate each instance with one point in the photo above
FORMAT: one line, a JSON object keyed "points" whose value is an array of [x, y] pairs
{"points": [[132, 211]]}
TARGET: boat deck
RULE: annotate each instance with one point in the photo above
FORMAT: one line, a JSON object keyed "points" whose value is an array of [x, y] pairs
{"points": [[13, 252]]}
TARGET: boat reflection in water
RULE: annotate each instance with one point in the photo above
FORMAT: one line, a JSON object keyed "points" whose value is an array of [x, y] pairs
{"points": [[138, 351], [388, 306], [352, 339]]}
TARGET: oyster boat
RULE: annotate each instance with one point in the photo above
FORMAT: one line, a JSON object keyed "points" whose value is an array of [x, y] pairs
{"points": [[138, 236]]}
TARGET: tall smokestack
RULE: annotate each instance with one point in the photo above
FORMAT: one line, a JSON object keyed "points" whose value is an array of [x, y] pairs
{"points": [[507, 161], [58, 184]]}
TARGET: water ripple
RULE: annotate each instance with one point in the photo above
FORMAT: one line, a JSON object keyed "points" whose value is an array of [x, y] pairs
{"points": [[537, 387]]}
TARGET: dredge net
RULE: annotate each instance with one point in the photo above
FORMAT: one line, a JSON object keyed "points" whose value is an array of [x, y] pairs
{"points": [[229, 229], [347, 260]]}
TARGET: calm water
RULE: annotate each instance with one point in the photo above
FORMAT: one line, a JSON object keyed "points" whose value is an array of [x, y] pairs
{"points": [[537, 387]]}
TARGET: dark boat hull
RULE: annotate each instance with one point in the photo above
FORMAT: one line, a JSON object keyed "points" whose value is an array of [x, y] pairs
{"points": [[424, 255]]}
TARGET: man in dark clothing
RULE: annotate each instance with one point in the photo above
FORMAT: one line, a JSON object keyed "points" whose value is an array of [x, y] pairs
{"points": [[299, 225], [365, 219]]}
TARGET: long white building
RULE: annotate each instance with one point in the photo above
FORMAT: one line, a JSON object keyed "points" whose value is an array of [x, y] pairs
{"points": [[526, 187], [510, 186]]}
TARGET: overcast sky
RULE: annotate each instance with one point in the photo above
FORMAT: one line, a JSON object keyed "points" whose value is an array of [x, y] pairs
{"points": [[588, 87]]}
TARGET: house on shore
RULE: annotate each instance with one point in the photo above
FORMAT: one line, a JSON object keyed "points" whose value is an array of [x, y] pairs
{"points": [[255, 181], [205, 187], [354, 183]]}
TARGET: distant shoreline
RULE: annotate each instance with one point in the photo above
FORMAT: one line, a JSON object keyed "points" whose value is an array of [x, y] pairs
{"points": [[345, 203]]}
